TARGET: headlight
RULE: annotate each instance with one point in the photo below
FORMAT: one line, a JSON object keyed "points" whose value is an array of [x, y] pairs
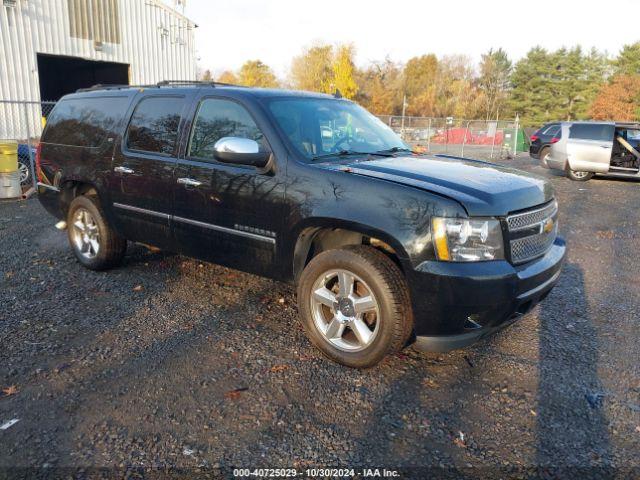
{"points": [[467, 239]]}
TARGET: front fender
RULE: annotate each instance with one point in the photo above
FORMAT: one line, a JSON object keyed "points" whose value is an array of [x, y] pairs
{"points": [[399, 215]]}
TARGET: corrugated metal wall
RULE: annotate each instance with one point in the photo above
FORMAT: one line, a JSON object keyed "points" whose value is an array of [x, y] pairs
{"points": [[157, 42]]}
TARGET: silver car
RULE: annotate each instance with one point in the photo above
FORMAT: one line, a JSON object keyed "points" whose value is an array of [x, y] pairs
{"points": [[589, 148]]}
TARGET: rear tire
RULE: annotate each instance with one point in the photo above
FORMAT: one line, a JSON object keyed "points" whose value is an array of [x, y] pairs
{"points": [[93, 241], [579, 176], [544, 153], [354, 305]]}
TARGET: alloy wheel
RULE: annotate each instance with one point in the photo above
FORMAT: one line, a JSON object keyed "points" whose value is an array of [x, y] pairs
{"points": [[580, 174], [345, 310], [85, 233]]}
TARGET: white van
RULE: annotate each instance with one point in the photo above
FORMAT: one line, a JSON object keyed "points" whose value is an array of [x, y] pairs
{"points": [[589, 148]]}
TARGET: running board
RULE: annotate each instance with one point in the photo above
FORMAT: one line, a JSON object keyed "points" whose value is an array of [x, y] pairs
{"points": [[622, 174], [624, 169]]}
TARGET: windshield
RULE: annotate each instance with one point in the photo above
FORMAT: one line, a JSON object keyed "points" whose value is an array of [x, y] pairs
{"points": [[322, 127]]}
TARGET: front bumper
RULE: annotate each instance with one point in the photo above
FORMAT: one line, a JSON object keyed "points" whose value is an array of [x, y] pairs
{"points": [[457, 304]]}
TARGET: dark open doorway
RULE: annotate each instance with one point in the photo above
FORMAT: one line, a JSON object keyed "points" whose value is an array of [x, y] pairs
{"points": [[60, 75]]}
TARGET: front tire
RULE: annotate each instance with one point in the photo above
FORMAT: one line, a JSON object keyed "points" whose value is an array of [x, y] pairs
{"points": [[354, 305], [93, 241], [579, 176]]}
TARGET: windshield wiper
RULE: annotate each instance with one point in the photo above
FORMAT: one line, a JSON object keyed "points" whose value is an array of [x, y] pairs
{"points": [[345, 153], [395, 150]]}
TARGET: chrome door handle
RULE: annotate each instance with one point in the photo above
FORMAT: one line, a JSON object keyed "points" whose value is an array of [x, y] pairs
{"points": [[123, 170], [604, 146], [189, 182]]}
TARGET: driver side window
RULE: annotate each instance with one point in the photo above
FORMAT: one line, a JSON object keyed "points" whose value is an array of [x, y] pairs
{"points": [[216, 119]]}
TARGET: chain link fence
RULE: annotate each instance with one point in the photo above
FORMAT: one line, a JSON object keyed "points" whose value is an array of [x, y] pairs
{"points": [[23, 122], [482, 139]]}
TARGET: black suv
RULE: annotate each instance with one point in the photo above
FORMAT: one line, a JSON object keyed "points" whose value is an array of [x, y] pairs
{"points": [[386, 247], [542, 139]]}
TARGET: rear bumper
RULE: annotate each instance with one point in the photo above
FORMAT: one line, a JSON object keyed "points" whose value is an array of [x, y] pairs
{"points": [[49, 197], [456, 305], [556, 163]]}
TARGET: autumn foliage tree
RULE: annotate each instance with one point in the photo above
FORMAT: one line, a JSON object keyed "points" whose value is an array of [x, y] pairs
{"points": [[565, 84], [254, 73], [324, 68], [380, 87], [344, 71], [227, 77], [619, 100], [312, 70]]}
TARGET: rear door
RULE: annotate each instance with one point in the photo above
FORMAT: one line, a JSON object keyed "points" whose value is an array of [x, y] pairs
{"points": [[141, 181], [590, 146], [230, 214]]}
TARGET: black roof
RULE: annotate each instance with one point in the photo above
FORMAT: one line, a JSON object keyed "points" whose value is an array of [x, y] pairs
{"points": [[189, 85]]}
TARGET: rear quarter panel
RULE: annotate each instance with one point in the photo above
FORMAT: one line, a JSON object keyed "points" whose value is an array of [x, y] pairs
{"points": [[557, 158]]}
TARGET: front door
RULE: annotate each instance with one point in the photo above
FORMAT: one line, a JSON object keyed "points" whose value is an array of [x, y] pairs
{"points": [[229, 214], [142, 178]]}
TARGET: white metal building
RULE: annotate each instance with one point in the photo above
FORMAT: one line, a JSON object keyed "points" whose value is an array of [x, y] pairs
{"points": [[49, 48]]}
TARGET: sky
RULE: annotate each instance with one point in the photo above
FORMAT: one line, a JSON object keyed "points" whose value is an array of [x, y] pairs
{"points": [[274, 31]]}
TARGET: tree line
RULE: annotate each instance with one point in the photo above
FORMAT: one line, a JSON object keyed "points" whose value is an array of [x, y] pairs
{"points": [[565, 84]]}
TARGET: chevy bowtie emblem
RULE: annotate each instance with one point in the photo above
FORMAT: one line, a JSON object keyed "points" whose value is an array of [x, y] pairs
{"points": [[547, 226]]}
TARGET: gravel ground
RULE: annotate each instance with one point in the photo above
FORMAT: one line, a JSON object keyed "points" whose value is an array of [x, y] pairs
{"points": [[173, 365]]}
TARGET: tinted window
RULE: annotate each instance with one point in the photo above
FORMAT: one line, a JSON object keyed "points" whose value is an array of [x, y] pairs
{"points": [[552, 130], [84, 122], [592, 131], [217, 119], [154, 125]]}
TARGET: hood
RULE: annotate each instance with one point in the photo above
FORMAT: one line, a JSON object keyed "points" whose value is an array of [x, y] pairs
{"points": [[483, 189]]}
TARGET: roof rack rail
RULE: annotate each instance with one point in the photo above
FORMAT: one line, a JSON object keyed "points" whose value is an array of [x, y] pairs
{"points": [[166, 83], [100, 86], [163, 83]]}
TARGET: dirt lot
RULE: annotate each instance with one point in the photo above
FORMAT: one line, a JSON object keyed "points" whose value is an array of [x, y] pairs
{"points": [[169, 363]]}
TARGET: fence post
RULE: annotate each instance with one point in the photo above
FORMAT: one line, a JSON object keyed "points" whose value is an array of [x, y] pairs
{"points": [[31, 159], [429, 136], [493, 141], [464, 139], [515, 136]]}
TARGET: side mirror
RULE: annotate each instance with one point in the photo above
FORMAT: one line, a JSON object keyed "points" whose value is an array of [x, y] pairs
{"points": [[240, 151]]}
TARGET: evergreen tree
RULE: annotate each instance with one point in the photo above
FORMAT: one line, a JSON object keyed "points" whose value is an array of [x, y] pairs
{"points": [[494, 82], [556, 86], [628, 61]]}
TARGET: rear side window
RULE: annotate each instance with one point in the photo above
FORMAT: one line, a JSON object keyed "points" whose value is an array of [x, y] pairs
{"points": [[84, 122], [154, 125], [216, 119], [592, 131]]}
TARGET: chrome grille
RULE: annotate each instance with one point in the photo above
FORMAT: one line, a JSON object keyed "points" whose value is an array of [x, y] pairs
{"points": [[523, 220], [527, 236]]}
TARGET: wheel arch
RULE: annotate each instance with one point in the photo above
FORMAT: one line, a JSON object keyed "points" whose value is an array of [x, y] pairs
{"points": [[71, 189], [326, 234]]}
